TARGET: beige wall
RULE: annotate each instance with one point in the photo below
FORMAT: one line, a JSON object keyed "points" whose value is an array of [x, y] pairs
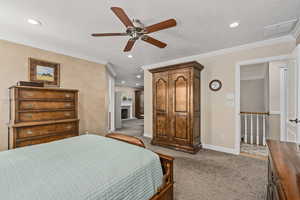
{"points": [[88, 77], [274, 127], [218, 120], [274, 75], [253, 95]]}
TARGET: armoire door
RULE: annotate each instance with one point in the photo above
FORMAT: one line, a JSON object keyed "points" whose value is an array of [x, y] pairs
{"points": [[180, 106], [161, 103], [139, 104]]}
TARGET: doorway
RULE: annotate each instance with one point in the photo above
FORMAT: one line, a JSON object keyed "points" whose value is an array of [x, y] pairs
{"points": [[258, 103], [129, 110], [255, 103]]}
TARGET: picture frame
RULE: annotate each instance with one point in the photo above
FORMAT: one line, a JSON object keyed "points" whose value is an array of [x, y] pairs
{"points": [[45, 72]]}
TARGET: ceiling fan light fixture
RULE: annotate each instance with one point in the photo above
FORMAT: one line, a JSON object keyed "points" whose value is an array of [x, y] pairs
{"points": [[234, 24], [135, 29]]}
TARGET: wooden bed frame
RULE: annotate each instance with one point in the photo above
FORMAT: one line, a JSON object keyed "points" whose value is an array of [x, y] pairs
{"points": [[166, 190]]}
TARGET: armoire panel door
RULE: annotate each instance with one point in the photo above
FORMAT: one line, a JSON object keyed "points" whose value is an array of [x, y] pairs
{"points": [[160, 101], [180, 106]]}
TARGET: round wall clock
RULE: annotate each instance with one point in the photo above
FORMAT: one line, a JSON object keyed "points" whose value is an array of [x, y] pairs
{"points": [[215, 85]]}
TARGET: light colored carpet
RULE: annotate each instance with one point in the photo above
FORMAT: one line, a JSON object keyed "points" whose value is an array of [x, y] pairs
{"points": [[254, 149], [133, 127], [211, 175]]}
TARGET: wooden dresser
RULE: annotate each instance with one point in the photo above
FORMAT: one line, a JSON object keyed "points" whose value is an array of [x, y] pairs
{"points": [[176, 106], [283, 171], [40, 115]]}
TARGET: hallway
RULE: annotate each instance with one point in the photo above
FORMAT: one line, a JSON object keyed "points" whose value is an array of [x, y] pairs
{"points": [[133, 127]]}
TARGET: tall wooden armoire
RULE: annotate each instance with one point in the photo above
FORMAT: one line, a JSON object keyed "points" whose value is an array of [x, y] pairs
{"points": [[176, 106]]}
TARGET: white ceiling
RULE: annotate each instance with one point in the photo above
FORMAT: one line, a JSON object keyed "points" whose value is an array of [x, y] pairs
{"points": [[202, 27]]}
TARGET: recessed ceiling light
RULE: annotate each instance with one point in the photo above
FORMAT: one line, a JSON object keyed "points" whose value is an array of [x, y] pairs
{"points": [[234, 24], [130, 56], [137, 84], [138, 76], [123, 82], [34, 22]]}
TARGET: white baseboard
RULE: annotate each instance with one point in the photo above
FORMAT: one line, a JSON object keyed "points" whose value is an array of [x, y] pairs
{"points": [[219, 148], [147, 135]]}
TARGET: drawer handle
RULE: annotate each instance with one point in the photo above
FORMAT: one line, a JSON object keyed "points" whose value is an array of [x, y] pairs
{"points": [[29, 132], [29, 106], [67, 114], [29, 115], [69, 127], [29, 94], [67, 95]]}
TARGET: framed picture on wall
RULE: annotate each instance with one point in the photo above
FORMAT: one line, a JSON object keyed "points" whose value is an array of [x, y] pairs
{"points": [[44, 71]]}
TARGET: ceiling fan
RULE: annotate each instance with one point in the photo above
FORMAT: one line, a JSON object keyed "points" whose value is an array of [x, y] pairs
{"points": [[136, 30]]}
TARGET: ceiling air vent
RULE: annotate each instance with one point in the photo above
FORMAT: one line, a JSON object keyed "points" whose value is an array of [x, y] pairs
{"points": [[280, 28]]}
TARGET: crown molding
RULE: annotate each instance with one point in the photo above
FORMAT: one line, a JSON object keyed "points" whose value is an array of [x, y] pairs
{"points": [[110, 68], [50, 48], [296, 31], [287, 38]]}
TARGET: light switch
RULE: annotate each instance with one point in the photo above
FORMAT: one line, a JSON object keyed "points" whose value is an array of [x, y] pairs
{"points": [[230, 104], [230, 96]]}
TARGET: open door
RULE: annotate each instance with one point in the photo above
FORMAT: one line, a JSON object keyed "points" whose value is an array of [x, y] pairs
{"points": [[292, 98]]}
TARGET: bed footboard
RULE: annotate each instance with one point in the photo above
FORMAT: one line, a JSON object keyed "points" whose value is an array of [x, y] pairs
{"points": [[165, 192]]}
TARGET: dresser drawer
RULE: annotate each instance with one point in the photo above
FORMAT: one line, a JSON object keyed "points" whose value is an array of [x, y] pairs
{"points": [[41, 105], [45, 94], [45, 116], [28, 132], [43, 140]]}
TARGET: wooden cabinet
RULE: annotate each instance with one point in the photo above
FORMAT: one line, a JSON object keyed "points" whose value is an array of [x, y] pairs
{"points": [[139, 104], [40, 115], [283, 171], [176, 106]]}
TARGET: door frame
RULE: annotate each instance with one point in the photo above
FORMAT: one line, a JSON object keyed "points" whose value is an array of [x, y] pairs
{"points": [[238, 92], [295, 56]]}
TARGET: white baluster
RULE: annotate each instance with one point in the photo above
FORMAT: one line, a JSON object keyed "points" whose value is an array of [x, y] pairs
{"points": [[257, 130], [246, 129], [264, 130], [251, 129]]}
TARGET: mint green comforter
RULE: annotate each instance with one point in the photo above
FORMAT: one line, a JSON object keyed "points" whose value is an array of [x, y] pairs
{"points": [[80, 168]]}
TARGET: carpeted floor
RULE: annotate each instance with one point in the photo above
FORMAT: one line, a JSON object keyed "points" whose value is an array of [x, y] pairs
{"points": [[211, 175], [133, 127], [254, 149]]}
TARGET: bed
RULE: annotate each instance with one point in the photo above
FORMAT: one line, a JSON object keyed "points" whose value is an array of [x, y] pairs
{"points": [[86, 167]]}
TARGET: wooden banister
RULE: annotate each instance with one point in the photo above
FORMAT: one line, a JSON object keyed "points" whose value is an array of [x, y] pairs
{"points": [[255, 113]]}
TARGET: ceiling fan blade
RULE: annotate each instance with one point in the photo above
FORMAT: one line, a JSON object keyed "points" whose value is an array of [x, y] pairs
{"points": [[129, 45], [108, 34], [154, 42], [122, 16], [160, 26]]}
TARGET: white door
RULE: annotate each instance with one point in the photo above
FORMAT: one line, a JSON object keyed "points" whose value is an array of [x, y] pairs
{"points": [[292, 102]]}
